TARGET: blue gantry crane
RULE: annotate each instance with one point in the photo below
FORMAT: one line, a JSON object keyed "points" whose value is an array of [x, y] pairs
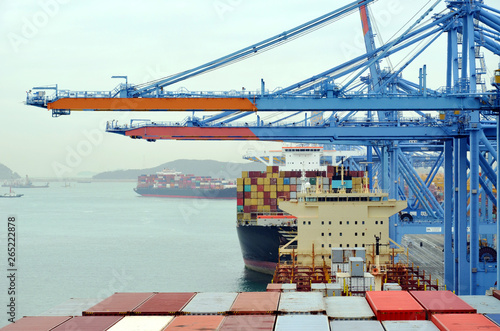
{"points": [[401, 123]]}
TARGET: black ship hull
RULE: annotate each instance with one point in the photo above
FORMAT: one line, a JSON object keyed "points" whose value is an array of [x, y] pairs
{"points": [[260, 245], [191, 193]]}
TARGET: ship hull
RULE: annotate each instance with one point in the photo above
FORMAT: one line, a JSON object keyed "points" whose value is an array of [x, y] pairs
{"points": [[260, 245], [189, 193]]}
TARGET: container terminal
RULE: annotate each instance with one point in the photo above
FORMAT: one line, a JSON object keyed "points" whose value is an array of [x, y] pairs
{"points": [[451, 129]]}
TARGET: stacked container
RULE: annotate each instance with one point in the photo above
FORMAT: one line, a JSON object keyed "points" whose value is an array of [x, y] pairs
{"points": [[259, 192]]}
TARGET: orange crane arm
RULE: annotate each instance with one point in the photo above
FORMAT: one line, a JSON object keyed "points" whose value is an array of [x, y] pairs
{"points": [[145, 104]]}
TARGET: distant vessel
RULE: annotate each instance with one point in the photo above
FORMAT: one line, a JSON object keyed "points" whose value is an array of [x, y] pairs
{"points": [[171, 184], [11, 194], [26, 183]]}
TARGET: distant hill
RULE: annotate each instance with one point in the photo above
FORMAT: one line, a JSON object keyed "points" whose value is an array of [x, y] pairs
{"points": [[6, 173], [216, 169]]}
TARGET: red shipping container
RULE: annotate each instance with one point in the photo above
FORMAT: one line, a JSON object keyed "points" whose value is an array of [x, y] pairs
{"points": [[248, 323], [88, 323], [254, 208], [118, 304], [276, 169], [36, 323], [287, 195], [274, 202], [165, 304], [442, 302], [248, 195], [240, 195], [264, 303], [463, 322], [239, 202], [273, 287], [254, 181], [273, 181], [267, 195], [247, 209], [203, 322], [394, 305], [260, 188], [267, 202]]}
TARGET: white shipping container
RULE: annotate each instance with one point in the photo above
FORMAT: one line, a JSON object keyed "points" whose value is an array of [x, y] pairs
{"points": [[142, 323], [409, 325], [319, 287], [289, 287], [340, 267], [301, 302], [333, 289], [348, 308], [210, 303], [356, 325], [484, 304], [392, 287], [302, 322]]}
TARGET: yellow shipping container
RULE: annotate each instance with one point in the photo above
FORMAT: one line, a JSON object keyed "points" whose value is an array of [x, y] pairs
{"points": [[286, 188], [273, 195], [254, 202], [260, 181], [240, 188], [254, 188], [282, 174], [260, 195], [269, 169], [276, 175], [267, 188], [244, 174], [260, 202], [280, 181], [248, 181], [267, 181], [273, 188], [240, 181], [266, 208], [280, 188], [254, 195], [247, 216]]}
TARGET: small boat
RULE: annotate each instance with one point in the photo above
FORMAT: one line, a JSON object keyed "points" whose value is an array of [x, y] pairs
{"points": [[11, 194]]}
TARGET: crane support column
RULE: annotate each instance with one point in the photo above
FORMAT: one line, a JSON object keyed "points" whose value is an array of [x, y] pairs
{"points": [[449, 259], [498, 200], [474, 202], [393, 188], [461, 243]]}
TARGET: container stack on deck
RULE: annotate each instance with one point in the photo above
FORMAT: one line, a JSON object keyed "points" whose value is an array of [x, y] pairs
{"points": [[181, 181], [276, 309], [259, 192]]}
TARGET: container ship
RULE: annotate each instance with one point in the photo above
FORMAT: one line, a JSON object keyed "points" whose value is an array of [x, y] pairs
{"points": [[172, 184], [261, 225], [26, 183]]}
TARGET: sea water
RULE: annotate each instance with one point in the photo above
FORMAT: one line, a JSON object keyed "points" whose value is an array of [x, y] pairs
{"points": [[90, 240]]}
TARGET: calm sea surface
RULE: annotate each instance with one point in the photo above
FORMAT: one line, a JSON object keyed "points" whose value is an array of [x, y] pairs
{"points": [[91, 240]]}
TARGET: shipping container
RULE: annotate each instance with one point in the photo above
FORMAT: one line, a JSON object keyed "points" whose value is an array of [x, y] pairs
{"points": [[88, 323], [289, 287], [465, 322], [273, 287], [301, 302], [248, 323], [441, 302], [494, 317], [409, 326], [482, 303], [118, 304], [210, 303], [356, 325], [72, 307], [496, 294], [256, 303], [348, 308], [36, 323], [302, 322], [333, 289], [394, 305], [319, 287], [142, 323], [205, 322], [165, 304]]}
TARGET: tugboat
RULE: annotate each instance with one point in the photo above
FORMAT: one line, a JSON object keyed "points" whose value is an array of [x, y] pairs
{"points": [[11, 194]]}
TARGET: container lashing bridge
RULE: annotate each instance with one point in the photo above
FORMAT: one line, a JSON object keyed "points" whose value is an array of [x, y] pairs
{"points": [[373, 107]]}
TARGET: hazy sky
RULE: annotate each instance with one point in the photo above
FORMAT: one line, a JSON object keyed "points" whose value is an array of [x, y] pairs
{"points": [[80, 44]]}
